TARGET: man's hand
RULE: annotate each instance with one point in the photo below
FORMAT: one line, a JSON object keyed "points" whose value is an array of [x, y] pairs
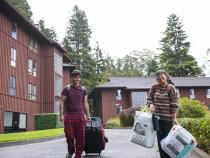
{"points": [[88, 118], [152, 108], [62, 118]]}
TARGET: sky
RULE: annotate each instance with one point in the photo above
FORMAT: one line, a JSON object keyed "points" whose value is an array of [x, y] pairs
{"points": [[122, 26]]}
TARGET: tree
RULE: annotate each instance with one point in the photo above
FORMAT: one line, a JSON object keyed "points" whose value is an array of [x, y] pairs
{"points": [[77, 43], [151, 62], [137, 63], [99, 58], [50, 33], [174, 47], [206, 64], [23, 7], [78, 32]]}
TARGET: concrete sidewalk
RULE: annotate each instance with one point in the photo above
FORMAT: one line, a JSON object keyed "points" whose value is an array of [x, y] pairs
{"points": [[119, 146]]}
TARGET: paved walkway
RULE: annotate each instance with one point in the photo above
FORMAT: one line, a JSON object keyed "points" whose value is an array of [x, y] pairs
{"points": [[119, 146]]}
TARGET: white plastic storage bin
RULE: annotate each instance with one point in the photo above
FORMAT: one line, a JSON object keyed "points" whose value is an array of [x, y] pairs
{"points": [[178, 143], [143, 131]]}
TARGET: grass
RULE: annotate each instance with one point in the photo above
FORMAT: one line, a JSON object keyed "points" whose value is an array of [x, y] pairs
{"points": [[32, 135]]}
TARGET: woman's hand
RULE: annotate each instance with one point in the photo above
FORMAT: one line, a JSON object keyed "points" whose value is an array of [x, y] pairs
{"points": [[152, 108]]}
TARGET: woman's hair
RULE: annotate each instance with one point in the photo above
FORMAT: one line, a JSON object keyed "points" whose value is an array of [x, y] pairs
{"points": [[167, 76]]}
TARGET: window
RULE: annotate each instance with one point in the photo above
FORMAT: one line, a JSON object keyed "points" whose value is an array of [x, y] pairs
{"points": [[31, 92], [32, 67], [58, 63], [22, 121], [12, 85], [8, 119], [13, 57], [58, 85], [208, 93], [139, 98], [33, 44], [14, 30], [118, 94], [192, 93]]}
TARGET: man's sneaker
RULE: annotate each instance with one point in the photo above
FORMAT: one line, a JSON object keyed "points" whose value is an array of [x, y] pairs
{"points": [[68, 155]]}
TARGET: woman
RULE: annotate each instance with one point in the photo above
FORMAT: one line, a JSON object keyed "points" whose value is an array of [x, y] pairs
{"points": [[163, 100]]}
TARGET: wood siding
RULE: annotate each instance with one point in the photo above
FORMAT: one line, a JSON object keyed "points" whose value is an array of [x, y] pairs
{"points": [[48, 79], [19, 102], [44, 80], [109, 101]]}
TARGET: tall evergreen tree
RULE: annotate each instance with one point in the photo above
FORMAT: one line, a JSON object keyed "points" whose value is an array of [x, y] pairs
{"points": [[99, 58], [174, 57], [50, 33], [23, 7], [77, 43], [78, 32]]}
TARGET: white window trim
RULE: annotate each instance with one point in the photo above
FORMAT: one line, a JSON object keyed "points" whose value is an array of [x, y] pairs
{"points": [[58, 60], [118, 94], [14, 33], [31, 92], [192, 93], [12, 90], [13, 57], [208, 93]]}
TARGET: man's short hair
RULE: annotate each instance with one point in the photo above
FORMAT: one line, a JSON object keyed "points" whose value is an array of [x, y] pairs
{"points": [[76, 73]]}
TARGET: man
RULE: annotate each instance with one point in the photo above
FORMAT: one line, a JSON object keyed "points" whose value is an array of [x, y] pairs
{"points": [[74, 116]]}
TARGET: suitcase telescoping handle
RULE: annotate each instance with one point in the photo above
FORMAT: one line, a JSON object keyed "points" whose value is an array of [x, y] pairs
{"points": [[88, 123], [92, 123]]}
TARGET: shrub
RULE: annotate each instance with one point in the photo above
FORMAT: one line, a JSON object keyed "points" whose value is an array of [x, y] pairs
{"points": [[145, 109], [191, 108], [113, 123], [47, 121], [200, 129], [126, 120]]}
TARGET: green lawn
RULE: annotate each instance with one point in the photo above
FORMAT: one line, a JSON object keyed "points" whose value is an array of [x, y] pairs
{"points": [[14, 137]]}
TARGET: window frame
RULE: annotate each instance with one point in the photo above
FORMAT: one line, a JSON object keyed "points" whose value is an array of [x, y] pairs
{"points": [[58, 85], [118, 94], [14, 30], [192, 93], [32, 67], [208, 93], [33, 43], [58, 63], [12, 86], [138, 97], [13, 57], [32, 91]]}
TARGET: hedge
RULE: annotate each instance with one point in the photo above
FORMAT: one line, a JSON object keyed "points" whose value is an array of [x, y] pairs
{"points": [[190, 108], [126, 120], [113, 123], [47, 121], [200, 129]]}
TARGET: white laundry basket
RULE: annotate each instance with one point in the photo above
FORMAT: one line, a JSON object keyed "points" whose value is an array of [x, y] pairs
{"points": [[178, 143], [143, 131]]}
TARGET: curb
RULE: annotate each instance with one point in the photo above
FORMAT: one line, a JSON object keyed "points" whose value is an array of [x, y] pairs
{"points": [[201, 153], [10, 144]]}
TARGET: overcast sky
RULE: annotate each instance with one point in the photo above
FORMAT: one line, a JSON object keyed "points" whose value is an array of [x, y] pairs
{"points": [[121, 26]]}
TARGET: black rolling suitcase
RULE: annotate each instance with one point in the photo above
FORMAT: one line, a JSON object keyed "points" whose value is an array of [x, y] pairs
{"points": [[95, 140]]}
